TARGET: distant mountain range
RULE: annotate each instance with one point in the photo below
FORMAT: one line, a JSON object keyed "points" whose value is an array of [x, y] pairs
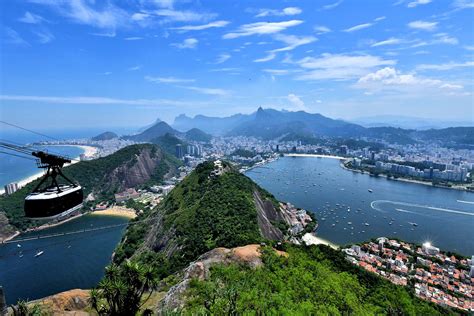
{"points": [[408, 122], [105, 136], [285, 125]]}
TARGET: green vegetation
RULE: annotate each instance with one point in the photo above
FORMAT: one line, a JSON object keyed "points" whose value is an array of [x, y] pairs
{"points": [[243, 153], [122, 290], [23, 308], [313, 280], [197, 135], [168, 143], [94, 176]]}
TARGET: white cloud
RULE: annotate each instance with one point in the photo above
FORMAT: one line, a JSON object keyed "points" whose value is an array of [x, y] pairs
{"points": [[214, 24], [339, 67], [12, 37], [277, 72], [79, 11], [292, 41], [187, 43], [296, 102], [332, 5], [447, 66], [416, 3], [469, 47], [390, 78], [164, 3], [285, 11], [208, 91], [443, 38], [358, 27], [184, 16], [135, 68], [44, 36], [133, 38], [423, 25], [380, 18], [269, 57], [390, 41], [463, 4], [93, 100], [222, 58], [321, 29], [31, 18], [167, 80], [261, 28]]}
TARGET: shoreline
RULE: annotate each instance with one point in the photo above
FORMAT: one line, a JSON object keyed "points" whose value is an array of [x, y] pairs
{"points": [[89, 152], [311, 239], [316, 156], [116, 211], [430, 184]]}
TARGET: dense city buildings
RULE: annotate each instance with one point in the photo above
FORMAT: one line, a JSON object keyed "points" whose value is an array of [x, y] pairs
{"points": [[11, 188]]}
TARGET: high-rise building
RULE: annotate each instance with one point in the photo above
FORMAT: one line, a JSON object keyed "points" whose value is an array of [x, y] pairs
{"points": [[179, 151], [11, 188]]}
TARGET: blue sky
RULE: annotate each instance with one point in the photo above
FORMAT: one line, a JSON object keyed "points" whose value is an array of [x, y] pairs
{"points": [[77, 63]]}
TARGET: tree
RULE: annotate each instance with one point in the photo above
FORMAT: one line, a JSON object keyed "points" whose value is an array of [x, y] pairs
{"points": [[122, 289], [22, 308]]}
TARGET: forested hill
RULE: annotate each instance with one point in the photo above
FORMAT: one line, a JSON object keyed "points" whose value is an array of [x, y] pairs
{"points": [[212, 207], [182, 241], [129, 167]]}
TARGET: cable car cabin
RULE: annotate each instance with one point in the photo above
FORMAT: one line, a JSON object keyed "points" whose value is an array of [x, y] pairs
{"points": [[53, 203]]}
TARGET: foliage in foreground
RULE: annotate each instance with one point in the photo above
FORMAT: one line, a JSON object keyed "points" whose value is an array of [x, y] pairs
{"points": [[311, 281], [122, 290]]}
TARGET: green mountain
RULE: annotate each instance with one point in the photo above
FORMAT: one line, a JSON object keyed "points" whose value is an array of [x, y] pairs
{"points": [[159, 129], [168, 143], [197, 135], [105, 136], [129, 167], [182, 240], [212, 207]]}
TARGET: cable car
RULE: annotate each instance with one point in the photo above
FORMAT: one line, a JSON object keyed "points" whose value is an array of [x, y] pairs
{"points": [[55, 200]]}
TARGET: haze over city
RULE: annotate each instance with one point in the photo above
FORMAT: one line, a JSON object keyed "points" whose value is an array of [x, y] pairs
{"points": [[89, 63]]}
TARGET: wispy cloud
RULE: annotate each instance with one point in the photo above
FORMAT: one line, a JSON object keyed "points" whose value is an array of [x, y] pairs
{"points": [[292, 41], [358, 27], [296, 101], [339, 66], [269, 57], [13, 37], [416, 3], [222, 58], [187, 43], [446, 66], [390, 41], [215, 24], [261, 28], [133, 38], [167, 80], [208, 91], [135, 68], [321, 29], [284, 12], [93, 100], [31, 18], [44, 36], [184, 16], [332, 5], [423, 25]]}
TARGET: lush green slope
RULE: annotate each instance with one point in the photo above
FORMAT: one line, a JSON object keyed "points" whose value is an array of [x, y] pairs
{"points": [[168, 142], [311, 281], [197, 135], [103, 176], [199, 214]]}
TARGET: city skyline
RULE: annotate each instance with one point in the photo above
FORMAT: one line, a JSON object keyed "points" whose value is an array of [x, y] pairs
{"points": [[86, 63]]}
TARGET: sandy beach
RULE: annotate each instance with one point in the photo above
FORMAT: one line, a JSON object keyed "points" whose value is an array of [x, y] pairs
{"points": [[89, 152], [315, 155], [117, 211], [312, 239]]}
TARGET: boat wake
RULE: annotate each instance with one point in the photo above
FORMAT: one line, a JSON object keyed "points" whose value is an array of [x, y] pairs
{"points": [[375, 206], [465, 202], [404, 211]]}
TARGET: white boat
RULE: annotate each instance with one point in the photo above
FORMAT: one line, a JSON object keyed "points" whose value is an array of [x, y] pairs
{"points": [[370, 190], [18, 245], [366, 224], [39, 253]]}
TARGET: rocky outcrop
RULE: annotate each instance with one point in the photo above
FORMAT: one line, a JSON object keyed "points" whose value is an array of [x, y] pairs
{"points": [[7, 231], [266, 214], [137, 171], [175, 298]]}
